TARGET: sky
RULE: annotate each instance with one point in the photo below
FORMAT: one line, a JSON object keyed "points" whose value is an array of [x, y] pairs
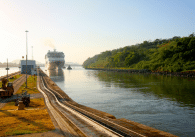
{"points": [[84, 28]]}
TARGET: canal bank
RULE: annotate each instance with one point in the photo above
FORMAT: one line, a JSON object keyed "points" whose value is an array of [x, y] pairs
{"points": [[159, 101], [146, 71], [143, 129]]}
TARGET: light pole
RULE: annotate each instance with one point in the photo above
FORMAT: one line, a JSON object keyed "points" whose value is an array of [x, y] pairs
{"points": [[32, 52], [26, 57], [7, 71], [31, 62]]}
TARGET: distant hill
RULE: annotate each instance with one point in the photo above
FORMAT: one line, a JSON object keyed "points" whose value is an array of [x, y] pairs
{"points": [[17, 61], [171, 55]]}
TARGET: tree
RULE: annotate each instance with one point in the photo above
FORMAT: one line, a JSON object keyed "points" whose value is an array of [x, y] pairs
{"points": [[119, 59], [131, 59], [192, 35], [191, 44]]}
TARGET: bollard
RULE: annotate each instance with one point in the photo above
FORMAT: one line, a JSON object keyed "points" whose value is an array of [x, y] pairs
{"points": [[21, 105], [16, 102]]}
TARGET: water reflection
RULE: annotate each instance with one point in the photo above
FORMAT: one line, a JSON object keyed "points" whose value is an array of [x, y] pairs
{"points": [[3, 71], [148, 99], [56, 75], [174, 88]]}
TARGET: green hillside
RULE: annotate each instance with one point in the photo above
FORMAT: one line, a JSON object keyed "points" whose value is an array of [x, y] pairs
{"points": [[175, 54]]}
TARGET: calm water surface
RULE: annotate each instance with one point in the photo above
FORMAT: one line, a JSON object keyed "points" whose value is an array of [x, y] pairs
{"points": [[3, 72], [163, 102]]}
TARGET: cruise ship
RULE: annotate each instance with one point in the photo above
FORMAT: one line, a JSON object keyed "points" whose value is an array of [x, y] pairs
{"points": [[54, 60]]}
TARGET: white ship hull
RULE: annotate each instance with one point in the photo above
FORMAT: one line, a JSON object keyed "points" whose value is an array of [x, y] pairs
{"points": [[54, 60], [53, 65]]}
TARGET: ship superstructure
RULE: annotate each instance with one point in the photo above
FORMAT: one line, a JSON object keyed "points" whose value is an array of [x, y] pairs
{"points": [[54, 60]]}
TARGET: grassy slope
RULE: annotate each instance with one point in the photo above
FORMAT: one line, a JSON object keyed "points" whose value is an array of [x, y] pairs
{"points": [[34, 119], [17, 122], [172, 56], [31, 86]]}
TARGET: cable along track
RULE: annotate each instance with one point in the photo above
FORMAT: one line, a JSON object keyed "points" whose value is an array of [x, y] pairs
{"points": [[72, 118], [84, 122]]}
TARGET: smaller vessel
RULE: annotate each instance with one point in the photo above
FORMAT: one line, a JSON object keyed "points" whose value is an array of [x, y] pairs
{"points": [[69, 67]]}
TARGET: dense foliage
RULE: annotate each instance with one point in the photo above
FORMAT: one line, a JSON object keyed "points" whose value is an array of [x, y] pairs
{"points": [[174, 55]]}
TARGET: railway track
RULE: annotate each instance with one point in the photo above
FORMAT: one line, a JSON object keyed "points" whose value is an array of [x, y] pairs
{"points": [[10, 75], [79, 121], [17, 84]]}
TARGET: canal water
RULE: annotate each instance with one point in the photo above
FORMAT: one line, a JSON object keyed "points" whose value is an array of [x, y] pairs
{"points": [[162, 102], [3, 72]]}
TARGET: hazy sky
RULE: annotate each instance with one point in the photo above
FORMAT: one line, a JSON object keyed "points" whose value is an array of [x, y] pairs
{"points": [[83, 28]]}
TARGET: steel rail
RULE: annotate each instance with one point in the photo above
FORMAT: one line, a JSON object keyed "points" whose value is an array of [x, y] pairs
{"points": [[18, 79], [87, 114], [106, 125], [17, 83], [10, 75], [62, 124], [94, 124], [59, 119]]}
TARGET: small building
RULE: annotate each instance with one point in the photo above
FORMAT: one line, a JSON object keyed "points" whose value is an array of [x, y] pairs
{"points": [[31, 67]]}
